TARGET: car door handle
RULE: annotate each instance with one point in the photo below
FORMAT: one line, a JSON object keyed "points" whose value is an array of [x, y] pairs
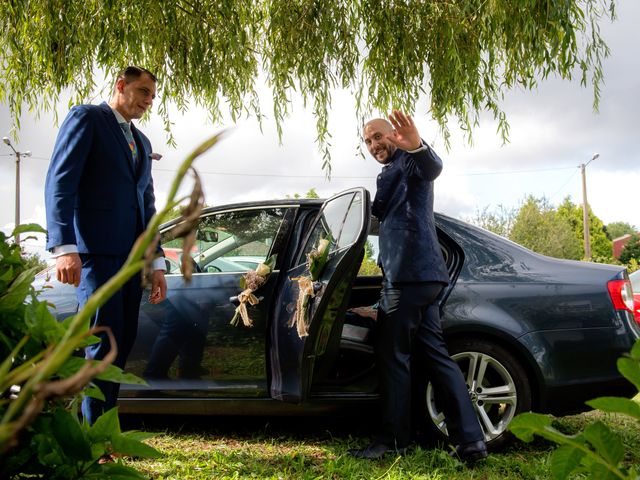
{"points": [[234, 300]]}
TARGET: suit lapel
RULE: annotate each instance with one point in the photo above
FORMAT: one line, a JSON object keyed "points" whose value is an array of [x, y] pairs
{"points": [[117, 132]]}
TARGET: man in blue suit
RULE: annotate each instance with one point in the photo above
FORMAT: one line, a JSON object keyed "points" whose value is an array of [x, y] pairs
{"points": [[99, 198], [408, 320]]}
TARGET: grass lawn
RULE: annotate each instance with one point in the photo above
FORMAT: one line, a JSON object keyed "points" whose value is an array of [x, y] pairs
{"points": [[315, 448]]}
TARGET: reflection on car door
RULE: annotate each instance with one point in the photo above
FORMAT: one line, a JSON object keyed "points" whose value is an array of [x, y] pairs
{"points": [[345, 218], [186, 343]]}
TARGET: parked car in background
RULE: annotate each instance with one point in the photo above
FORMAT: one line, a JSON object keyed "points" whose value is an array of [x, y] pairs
{"points": [[635, 285], [528, 331]]}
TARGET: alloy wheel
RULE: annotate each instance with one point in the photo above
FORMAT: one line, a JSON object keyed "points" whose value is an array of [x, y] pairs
{"points": [[492, 391]]}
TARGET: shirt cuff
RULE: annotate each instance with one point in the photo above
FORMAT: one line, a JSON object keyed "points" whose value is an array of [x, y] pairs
{"points": [[423, 146], [60, 250], [159, 264]]}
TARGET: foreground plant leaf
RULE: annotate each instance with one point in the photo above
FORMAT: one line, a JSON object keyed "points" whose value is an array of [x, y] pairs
{"points": [[27, 228], [630, 368], [70, 436], [616, 405], [526, 425], [605, 442], [598, 451], [565, 460]]}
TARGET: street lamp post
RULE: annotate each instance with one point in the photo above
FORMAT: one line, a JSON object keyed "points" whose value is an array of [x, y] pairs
{"points": [[585, 209], [18, 156]]}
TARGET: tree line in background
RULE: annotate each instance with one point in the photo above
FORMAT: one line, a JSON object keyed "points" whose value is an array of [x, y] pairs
{"points": [[556, 231]]}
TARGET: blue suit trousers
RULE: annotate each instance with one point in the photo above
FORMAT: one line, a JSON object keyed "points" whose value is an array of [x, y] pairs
{"points": [[120, 313], [409, 331]]}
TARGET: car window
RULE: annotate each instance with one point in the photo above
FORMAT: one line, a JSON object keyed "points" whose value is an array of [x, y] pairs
{"points": [[341, 220], [369, 266], [235, 241]]}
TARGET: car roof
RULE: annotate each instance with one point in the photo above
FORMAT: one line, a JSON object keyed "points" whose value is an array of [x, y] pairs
{"points": [[286, 202], [282, 202]]}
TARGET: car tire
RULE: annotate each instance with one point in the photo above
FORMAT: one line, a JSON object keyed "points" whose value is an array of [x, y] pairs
{"points": [[495, 369]]}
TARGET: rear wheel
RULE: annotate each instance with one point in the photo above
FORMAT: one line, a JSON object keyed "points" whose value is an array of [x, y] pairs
{"points": [[498, 388]]}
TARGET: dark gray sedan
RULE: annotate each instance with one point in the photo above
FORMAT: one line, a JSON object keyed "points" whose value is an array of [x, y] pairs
{"points": [[528, 331]]}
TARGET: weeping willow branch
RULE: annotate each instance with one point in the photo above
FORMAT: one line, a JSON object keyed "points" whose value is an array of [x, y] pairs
{"points": [[461, 57]]}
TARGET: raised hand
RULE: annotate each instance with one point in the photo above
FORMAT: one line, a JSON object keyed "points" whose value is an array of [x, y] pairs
{"points": [[405, 134]]}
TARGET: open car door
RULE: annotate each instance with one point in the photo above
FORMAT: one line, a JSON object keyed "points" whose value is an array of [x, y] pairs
{"points": [[344, 219]]}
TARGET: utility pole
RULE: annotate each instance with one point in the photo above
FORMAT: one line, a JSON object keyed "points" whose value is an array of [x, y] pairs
{"points": [[18, 156], [585, 209]]}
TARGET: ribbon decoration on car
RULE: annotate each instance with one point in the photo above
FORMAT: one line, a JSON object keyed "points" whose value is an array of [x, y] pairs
{"points": [[244, 297], [316, 260], [250, 282]]}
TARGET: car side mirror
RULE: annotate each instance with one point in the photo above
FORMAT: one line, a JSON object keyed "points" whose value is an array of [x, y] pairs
{"points": [[207, 235]]}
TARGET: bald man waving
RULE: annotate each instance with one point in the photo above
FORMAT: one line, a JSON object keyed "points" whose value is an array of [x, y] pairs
{"points": [[415, 274]]}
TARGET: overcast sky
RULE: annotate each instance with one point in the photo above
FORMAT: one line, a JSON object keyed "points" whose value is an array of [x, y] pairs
{"points": [[553, 130]]}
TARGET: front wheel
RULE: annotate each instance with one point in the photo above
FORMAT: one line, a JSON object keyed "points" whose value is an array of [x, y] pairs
{"points": [[498, 388]]}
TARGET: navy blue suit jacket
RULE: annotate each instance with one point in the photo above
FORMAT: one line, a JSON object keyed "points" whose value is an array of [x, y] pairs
{"points": [[94, 196], [409, 248]]}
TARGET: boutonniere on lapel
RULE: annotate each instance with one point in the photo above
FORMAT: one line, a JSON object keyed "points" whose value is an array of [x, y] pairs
{"points": [[308, 285], [249, 283], [155, 156]]}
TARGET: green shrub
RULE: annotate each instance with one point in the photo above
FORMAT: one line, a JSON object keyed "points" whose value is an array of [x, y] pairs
{"points": [[597, 451], [55, 444], [41, 435]]}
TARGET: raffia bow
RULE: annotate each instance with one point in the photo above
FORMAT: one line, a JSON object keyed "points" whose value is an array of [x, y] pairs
{"points": [[244, 297], [305, 285]]}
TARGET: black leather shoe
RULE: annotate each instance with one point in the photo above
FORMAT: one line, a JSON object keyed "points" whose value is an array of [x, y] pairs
{"points": [[375, 451], [470, 452]]}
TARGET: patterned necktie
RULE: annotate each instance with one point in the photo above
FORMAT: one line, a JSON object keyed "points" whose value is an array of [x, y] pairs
{"points": [[126, 128]]}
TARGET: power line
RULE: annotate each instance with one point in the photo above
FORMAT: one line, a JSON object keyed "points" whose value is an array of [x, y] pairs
{"points": [[38, 158], [564, 184], [265, 174], [235, 174], [509, 172], [273, 175]]}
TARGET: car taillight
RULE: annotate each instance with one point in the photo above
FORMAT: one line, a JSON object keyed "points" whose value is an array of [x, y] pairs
{"points": [[622, 295]]}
